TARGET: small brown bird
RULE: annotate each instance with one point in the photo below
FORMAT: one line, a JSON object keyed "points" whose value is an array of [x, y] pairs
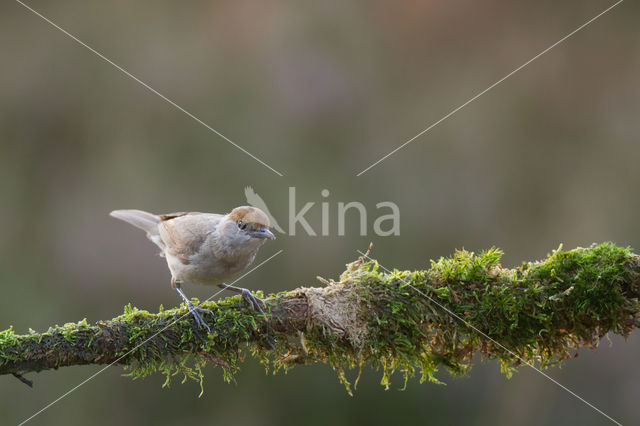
{"points": [[205, 248]]}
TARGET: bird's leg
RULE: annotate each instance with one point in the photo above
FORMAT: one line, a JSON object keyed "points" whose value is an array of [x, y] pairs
{"points": [[252, 300], [192, 308]]}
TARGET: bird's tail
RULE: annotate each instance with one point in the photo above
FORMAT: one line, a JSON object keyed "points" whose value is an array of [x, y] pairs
{"points": [[140, 219]]}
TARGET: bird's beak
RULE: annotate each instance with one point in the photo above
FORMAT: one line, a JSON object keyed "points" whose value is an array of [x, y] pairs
{"points": [[263, 233]]}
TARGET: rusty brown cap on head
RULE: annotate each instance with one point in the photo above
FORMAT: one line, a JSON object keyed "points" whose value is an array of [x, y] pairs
{"points": [[249, 214]]}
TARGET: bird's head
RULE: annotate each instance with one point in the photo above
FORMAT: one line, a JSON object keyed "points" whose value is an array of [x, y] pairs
{"points": [[251, 223]]}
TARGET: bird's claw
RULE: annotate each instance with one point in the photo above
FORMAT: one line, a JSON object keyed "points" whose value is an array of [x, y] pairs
{"points": [[253, 301], [198, 318]]}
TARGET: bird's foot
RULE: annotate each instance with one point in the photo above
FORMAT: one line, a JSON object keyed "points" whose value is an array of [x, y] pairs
{"points": [[255, 302], [192, 308], [195, 311]]}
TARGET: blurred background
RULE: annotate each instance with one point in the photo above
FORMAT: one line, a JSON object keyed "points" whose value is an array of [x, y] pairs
{"points": [[319, 91]]}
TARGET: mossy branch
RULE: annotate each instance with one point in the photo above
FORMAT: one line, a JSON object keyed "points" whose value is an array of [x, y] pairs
{"points": [[538, 312]]}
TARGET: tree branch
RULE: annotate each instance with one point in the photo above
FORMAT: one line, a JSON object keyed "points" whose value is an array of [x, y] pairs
{"points": [[538, 313]]}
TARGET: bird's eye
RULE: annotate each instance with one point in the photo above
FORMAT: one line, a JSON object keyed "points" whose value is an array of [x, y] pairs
{"points": [[242, 225]]}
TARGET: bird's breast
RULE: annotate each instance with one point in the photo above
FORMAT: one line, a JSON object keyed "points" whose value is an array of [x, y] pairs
{"points": [[210, 267]]}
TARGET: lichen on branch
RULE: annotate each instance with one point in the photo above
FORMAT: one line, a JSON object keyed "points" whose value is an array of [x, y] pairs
{"points": [[539, 313]]}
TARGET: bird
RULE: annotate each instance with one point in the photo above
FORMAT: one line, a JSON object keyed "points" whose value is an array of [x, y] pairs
{"points": [[205, 248], [256, 201]]}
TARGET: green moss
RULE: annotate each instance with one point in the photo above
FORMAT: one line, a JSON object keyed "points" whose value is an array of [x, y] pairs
{"points": [[538, 312], [416, 322], [231, 329]]}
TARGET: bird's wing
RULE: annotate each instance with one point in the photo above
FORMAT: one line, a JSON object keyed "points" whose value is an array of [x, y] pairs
{"points": [[184, 233], [256, 201]]}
